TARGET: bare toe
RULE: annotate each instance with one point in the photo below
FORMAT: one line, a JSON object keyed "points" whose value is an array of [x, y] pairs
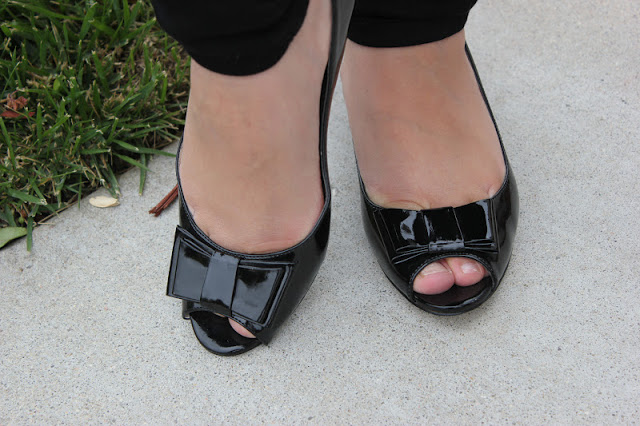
{"points": [[435, 278], [240, 329], [466, 271]]}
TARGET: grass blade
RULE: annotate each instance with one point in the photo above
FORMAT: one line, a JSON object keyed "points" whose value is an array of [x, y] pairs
{"points": [[26, 197], [86, 23], [11, 233], [29, 234], [8, 217], [143, 173], [7, 138], [143, 150], [131, 161], [44, 11]]}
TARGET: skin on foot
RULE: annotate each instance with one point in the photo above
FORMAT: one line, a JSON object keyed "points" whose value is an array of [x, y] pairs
{"points": [[423, 136], [249, 165]]}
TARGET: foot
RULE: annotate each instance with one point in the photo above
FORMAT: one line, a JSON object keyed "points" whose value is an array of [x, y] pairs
{"points": [[249, 164], [423, 136]]}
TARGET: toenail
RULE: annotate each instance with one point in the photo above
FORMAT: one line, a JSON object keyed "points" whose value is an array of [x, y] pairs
{"points": [[434, 268], [470, 268]]}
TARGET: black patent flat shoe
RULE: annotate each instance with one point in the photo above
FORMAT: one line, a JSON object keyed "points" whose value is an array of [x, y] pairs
{"points": [[405, 241], [259, 292]]}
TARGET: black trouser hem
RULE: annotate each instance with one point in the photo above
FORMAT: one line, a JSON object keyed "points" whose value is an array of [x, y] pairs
{"points": [[238, 44], [402, 33], [244, 37]]}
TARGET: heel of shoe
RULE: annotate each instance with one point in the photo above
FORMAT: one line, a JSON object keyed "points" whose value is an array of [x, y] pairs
{"points": [[341, 11], [341, 15]]}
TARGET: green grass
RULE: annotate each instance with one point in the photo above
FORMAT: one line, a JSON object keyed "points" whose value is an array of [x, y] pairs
{"points": [[105, 87]]}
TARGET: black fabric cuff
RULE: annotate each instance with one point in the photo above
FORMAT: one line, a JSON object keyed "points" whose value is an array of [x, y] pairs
{"points": [[247, 40], [373, 26]]}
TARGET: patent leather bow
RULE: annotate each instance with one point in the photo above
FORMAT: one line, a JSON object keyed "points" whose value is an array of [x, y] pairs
{"points": [[225, 284], [411, 234]]}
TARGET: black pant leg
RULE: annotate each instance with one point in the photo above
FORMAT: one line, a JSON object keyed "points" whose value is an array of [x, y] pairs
{"points": [[242, 37], [235, 37], [395, 23]]}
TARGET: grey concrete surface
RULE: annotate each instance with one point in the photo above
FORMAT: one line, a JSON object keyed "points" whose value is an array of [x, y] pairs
{"points": [[87, 335]]}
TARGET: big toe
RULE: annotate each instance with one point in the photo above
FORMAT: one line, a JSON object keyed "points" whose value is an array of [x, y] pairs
{"points": [[466, 271], [435, 278], [241, 330]]}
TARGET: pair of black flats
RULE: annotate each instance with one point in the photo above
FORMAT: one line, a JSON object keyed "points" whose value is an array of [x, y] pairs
{"points": [[259, 292]]}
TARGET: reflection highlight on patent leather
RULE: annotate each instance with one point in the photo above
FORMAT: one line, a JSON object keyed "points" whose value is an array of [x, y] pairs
{"points": [[405, 241], [259, 292]]}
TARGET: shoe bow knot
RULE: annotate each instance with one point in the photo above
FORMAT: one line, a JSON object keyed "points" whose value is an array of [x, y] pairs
{"points": [[222, 283], [410, 234]]}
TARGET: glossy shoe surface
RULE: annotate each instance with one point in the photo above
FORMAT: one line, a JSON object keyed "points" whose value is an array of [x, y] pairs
{"points": [[258, 291], [405, 241], [214, 333]]}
